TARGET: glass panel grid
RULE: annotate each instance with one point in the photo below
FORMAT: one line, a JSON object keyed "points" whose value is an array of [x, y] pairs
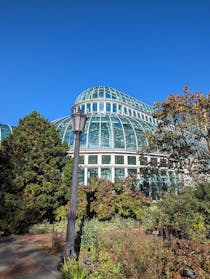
{"points": [[119, 159], [131, 160], [92, 159], [106, 159], [106, 174], [119, 174], [108, 92]]}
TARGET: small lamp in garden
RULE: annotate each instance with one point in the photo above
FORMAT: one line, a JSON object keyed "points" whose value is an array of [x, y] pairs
{"points": [[78, 125]]}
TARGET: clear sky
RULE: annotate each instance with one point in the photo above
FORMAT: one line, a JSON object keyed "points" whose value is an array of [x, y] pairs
{"points": [[52, 50]]}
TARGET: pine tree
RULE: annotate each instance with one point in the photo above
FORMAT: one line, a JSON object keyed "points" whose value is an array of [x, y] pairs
{"points": [[32, 183]]}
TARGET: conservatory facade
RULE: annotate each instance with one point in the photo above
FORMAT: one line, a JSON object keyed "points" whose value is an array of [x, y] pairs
{"points": [[112, 141], [113, 138]]}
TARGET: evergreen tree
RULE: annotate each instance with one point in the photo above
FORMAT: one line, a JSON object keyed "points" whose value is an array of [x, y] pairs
{"points": [[32, 184]]}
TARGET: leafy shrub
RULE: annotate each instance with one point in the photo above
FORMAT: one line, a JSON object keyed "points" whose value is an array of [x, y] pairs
{"points": [[160, 259], [90, 233], [102, 266], [93, 228], [73, 269], [119, 223], [61, 213], [105, 199], [202, 195], [46, 227], [180, 215]]}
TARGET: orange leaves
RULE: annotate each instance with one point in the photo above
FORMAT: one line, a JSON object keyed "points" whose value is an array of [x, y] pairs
{"points": [[184, 127]]}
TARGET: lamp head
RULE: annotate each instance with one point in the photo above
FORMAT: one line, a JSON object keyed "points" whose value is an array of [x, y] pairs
{"points": [[78, 121]]}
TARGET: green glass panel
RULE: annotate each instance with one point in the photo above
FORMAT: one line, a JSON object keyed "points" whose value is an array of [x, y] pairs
{"points": [[69, 136], [118, 133], [106, 174], [83, 137], [81, 159], [119, 159], [106, 159], [129, 134], [81, 176], [106, 137], [93, 140], [92, 159], [119, 174], [131, 160], [139, 133]]}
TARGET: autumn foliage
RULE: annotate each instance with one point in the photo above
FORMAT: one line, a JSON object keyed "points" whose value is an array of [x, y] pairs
{"points": [[184, 130], [105, 199]]}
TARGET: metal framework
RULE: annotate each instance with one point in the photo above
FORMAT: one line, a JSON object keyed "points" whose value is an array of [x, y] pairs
{"points": [[113, 137]]}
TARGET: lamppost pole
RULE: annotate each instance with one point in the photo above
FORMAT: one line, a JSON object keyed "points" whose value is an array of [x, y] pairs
{"points": [[78, 123]]}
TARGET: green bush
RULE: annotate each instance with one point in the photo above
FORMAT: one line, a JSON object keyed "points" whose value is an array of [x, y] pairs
{"points": [[73, 269], [105, 199], [90, 233], [183, 214], [93, 228], [61, 213], [46, 227], [103, 267]]}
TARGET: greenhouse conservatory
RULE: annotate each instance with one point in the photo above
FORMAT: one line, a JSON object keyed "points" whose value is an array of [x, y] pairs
{"points": [[113, 139]]}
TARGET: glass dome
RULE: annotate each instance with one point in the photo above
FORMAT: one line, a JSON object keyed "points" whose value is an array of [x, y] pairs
{"points": [[115, 121], [114, 133], [109, 93], [107, 131]]}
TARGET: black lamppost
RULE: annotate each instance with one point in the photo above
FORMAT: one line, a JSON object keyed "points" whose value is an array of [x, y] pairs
{"points": [[78, 124]]}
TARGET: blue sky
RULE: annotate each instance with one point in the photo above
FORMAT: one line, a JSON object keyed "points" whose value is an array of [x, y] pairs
{"points": [[52, 50]]}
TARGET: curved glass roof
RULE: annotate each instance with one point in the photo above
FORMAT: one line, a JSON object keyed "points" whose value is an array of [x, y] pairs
{"points": [[4, 130], [106, 131], [104, 92]]}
